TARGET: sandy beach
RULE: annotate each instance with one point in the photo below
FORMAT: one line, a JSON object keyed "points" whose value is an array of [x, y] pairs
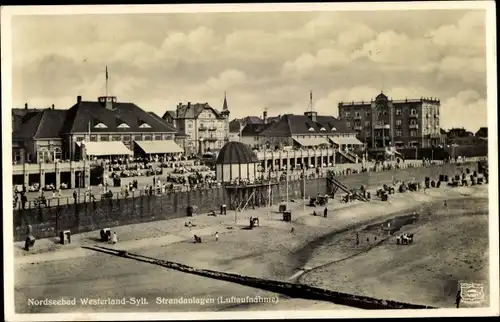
{"points": [[320, 252]]}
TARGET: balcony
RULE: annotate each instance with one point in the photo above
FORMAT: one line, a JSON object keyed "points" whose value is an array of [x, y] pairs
{"points": [[413, 126], [382, 126], [414, 115], [212, 128], [211, 139], [203, 128], [358, 127]]}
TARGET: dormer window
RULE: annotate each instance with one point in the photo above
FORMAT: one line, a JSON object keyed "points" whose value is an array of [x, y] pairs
{"points": [[334, 129], [100, 126], [145, 126], [322, 129], [311, 129], [123, 126]]}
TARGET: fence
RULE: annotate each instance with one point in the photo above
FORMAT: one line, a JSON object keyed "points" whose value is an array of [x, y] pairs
{"points": [[137, 208]]}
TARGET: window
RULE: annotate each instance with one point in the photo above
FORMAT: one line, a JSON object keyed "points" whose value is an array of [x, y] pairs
{"points": [[167, 137], [399, 133], [358, 114], [147, 137], [93, 138], [367, 123], [57, 153], [413, 133], [322, 129], [100, 126], [190, 125], [348, 124], [311, 129], [104, 138], [116, 138], [79, 138], [334, 129], [123, 126], [157, 137], [347, 114], [367, 113], [398, 111], [398, 122], [126, 138], [138, 137], [413, 122], [413, 111], [145, 126]]}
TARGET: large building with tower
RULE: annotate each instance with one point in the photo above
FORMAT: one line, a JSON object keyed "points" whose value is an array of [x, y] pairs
{"points": [[206, 128], [383, 122]]}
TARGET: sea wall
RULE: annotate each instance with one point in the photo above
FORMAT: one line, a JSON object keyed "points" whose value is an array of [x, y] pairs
{"points": [[83, 217]]}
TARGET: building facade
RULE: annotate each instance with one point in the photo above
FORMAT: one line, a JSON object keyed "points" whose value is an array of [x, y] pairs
{"points": [[51, 135], [384, 122], [205, 127]]}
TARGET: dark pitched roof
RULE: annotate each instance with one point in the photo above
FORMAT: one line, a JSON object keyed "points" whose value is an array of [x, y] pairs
{"points": [[51, 124], [272, 119], [168, 113], [254, 129], [191, 111], [253, 120], [290, 124], [236, 153], [80, 114], [234, 126], [42, 124], [18, 116]]}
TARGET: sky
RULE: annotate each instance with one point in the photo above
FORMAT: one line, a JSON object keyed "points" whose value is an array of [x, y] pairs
{"points": [[263, 60]]}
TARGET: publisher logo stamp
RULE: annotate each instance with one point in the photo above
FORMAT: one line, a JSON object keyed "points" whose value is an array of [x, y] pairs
{"points": [[472, 293]]}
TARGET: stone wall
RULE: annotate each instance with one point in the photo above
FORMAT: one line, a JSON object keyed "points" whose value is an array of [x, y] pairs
{"points": [[47, 222]]}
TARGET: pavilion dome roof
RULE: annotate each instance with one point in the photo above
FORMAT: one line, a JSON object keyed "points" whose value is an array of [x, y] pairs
{"points": [[236, 153]]}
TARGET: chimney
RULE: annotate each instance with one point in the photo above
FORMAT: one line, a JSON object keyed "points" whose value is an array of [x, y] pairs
{"points": [[189, 104], [265, 117], [78, 99], [53, 106], [25, 106]]}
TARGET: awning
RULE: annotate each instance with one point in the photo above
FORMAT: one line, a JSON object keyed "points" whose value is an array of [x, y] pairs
{"points": [[159, 147], [106, 148], [311, 141], [346, 140]]}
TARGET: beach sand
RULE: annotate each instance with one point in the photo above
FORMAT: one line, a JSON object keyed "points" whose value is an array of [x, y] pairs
{"points": [[450, 245]]}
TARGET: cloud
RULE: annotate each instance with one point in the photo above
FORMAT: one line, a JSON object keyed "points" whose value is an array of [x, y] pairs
{"points": [[270, 59], [466, 107], [464, 69], [467, 35], [227, 79], [308, 63]]}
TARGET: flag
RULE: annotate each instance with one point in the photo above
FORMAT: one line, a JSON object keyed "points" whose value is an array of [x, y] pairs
{"points": [[106, 72]]}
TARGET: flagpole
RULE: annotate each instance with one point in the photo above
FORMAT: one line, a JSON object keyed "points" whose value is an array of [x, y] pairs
{"points": [[304, 185], [286, 187], [106, 80]]}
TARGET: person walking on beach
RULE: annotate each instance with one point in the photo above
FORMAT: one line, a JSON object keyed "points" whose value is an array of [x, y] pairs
{"points": [[325, 213], [357, 238], [217, 236], [459, 298]]}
